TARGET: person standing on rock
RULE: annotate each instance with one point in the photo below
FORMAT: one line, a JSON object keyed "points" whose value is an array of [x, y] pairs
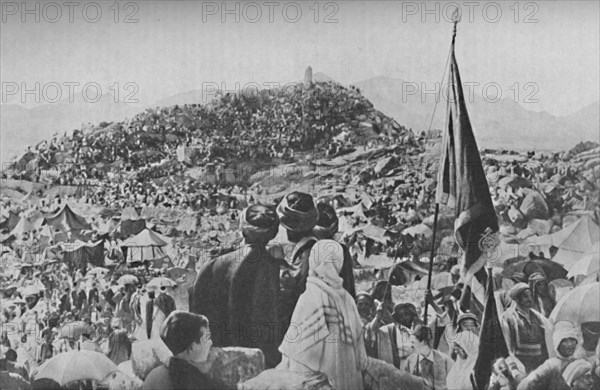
{"points": [[327, 332], [239, 291]]}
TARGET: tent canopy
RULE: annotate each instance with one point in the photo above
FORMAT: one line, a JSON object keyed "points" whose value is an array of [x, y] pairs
{"points": [[66, 220], [573, 241], [145, 238]]}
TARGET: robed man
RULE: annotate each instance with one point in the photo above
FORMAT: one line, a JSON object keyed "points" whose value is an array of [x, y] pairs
{"points": [[239, 291], [299, 215]]}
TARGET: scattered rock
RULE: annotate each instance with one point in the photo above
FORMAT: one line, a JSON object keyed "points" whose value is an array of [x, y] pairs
{"points": [[227, 366], [147, 355], [275, 379], [380, 375], [232, 365], [540, 226], [507, 229]]}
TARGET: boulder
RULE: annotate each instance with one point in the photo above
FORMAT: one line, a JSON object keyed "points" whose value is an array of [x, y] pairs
{"points": [[227, 366], [147, 355], [275, 379], [525, 233], [232, 365], [540, 226], [124, 378], [380, 375], [507, 229]]}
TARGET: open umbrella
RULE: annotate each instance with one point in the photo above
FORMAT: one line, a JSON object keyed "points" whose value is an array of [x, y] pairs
{"points": [[74, 330], [578, 305], [588, 264], [549, 268], [74, 366], [127, 279], [98, 271], [585, 266], [161, 282]]}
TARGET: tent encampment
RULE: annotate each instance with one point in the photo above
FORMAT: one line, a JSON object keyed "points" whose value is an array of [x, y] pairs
{"points": [[66, 220], [572, 241], [145, 246]]}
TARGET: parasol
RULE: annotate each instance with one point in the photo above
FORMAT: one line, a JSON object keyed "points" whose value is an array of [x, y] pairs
{"points": [[587, 265], [98, 271], [127, 279], [161, 281], [578, 305], [74, 330], [74, 366], [549, 268]]}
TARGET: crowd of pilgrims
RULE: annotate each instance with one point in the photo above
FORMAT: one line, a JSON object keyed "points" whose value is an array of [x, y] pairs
{"points": [[256, 126], [289, 290]]}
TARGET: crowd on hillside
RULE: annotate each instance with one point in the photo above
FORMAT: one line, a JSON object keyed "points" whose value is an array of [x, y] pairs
{"points": [[51, 308]]}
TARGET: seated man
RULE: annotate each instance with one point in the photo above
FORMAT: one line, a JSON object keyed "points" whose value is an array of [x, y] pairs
{"points": [[187, 335]]}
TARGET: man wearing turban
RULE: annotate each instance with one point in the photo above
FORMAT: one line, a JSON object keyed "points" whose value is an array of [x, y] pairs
{"points": [[526, 328], [543, 301], [239, 291], [299, 215]]}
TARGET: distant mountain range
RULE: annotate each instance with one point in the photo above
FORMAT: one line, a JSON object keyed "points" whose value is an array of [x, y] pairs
{"points": [[504, 124]]}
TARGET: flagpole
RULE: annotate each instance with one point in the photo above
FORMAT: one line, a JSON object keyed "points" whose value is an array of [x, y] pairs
{"points": [[456, 19]]}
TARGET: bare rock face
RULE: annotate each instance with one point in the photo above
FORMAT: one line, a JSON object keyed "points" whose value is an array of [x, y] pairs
{"points": [[380, 375], [232, 365], [147, 355], [540, 226], [275, 379]]}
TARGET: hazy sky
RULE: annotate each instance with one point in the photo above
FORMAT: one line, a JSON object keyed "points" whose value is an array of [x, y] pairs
{"points": [[176, 46]]}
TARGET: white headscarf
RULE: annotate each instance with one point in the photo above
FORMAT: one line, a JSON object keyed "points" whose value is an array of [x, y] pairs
{"points": [[459, 376], [325, 331]]}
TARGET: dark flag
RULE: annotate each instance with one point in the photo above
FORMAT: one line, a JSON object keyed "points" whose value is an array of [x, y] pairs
{"points": [[462, 183], [491, 340]]}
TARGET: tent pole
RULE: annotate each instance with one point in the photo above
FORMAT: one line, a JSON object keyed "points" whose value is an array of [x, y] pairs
{"points": [[435, 220]]}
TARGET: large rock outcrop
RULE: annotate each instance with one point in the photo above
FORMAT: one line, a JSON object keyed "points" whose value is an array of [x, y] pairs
{"points": [[227, 366]]}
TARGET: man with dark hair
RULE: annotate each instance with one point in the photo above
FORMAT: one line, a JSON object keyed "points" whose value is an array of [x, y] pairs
{"points": [[543, 301], [187, 336], [426, 362], [239, 291], [391, 343]]}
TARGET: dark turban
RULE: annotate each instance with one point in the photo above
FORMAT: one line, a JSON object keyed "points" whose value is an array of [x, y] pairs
{"points": [[298, 212], [259, 224], [327, 225]]}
